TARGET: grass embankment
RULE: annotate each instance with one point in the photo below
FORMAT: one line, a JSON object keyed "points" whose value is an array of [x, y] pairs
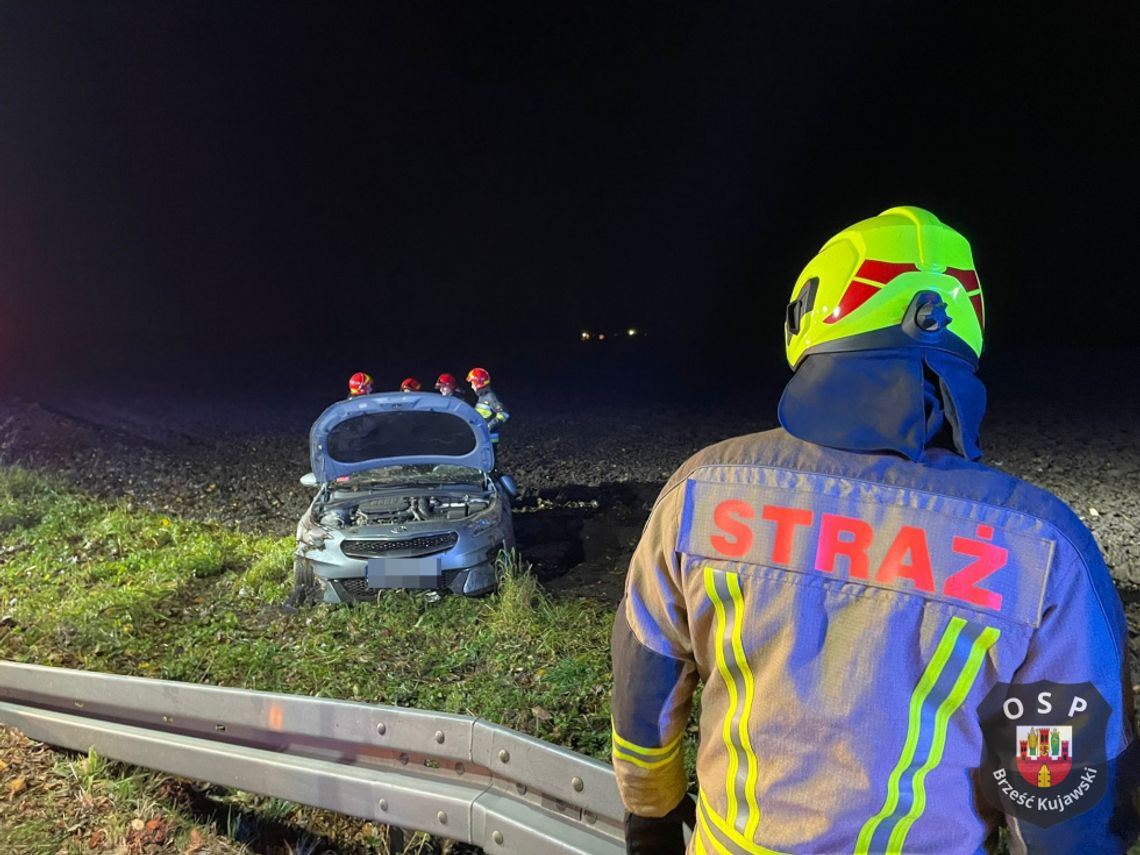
{"points": [[108, 587]]}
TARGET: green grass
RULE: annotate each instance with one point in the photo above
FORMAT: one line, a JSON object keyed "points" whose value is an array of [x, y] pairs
{"points": [[107, 587]]}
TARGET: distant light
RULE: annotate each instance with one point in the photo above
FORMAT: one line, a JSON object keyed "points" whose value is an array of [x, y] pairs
{"points": [[632, 331], [585, 335], [601, 336]]}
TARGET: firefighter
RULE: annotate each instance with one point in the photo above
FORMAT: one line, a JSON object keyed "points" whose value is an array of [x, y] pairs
{"points": [[487, 403], [359, 384], [410, 384], [446, 384], [850, 586]]}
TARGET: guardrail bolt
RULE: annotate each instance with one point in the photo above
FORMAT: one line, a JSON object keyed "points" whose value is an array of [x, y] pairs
{"points": [[404, 759], [460, 768], [381, 728], [384, 805], [577, 784], [497, 837], [505, 756], [439, 737], [589, 816], [442, 817], [520, 789]]}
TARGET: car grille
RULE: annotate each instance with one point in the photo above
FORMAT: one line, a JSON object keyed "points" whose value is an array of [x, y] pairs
{"points": [[357, 590], [410, 547]]}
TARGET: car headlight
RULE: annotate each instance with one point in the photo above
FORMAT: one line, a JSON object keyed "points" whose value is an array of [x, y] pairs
{"points": [[314, 537], [333, 519]]}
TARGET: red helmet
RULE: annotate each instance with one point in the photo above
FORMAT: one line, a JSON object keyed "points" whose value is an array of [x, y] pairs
{"points": [[410, 384], [359, 384], [446, 381], [478, 378]]}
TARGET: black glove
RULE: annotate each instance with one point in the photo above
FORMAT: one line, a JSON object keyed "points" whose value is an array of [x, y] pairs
{"points": [[660, 835]]}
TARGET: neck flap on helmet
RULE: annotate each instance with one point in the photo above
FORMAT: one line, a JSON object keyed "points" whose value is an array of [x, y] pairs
{"points": [[904, 399]]}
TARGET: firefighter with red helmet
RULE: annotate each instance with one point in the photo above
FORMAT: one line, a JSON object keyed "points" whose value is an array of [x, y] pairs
{"points": [[487, 403], [410, 384], [359, 384], [446, 385], [853, 589]]}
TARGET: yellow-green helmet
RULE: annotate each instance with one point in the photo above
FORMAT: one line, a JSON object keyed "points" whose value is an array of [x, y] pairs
{"points": [[901, 278]]}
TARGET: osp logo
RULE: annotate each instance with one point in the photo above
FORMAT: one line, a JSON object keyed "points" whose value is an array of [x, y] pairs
{"points": [[1045, 758]]}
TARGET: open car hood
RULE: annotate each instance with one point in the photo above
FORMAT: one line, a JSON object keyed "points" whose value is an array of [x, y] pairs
{"points": [[398, 428]]}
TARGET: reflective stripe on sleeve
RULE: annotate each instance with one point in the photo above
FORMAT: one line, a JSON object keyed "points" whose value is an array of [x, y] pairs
{"points": [[638, 755], [940, 691]]}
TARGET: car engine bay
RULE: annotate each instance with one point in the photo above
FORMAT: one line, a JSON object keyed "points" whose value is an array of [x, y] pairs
{"points": [[397, 509]]}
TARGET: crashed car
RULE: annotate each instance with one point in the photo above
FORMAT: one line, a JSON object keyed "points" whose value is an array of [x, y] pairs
{"points": [[408, 498]]}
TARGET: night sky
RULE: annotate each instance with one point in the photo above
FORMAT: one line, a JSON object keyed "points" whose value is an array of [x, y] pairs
{"points": [[231, 193]]}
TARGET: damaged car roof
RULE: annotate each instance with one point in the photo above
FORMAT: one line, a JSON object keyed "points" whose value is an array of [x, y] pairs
{"points": [[392, 428]]}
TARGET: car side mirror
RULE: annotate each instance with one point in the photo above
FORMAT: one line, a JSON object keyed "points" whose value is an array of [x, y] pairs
{"points": [[509, 485], [309, 480]]}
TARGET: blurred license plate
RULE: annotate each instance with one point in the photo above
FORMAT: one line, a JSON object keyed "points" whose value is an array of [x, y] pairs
{"points": [[402, 572]]}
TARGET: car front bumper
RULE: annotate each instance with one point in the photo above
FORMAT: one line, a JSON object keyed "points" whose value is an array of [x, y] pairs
{"points": [[467, 569]]}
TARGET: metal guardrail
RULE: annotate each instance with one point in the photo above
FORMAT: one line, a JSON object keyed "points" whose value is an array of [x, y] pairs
{"points": [[454, 776]]}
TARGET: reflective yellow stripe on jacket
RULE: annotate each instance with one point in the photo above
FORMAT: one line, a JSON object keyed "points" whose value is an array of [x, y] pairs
{"points": [[724, 591], [716, 836], [734, 835], [941, 690]]}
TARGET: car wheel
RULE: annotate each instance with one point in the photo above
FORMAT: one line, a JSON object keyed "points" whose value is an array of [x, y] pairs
{"points": [[304, 585]]}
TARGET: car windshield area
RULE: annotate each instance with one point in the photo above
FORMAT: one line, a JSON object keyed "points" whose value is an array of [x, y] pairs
{"points": [[412, 474]]}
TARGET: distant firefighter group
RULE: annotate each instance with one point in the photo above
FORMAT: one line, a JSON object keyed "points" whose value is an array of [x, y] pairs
{"points": [[360, 383], [487, 404]]}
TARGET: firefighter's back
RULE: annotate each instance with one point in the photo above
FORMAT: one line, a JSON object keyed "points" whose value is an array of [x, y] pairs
{"points": [[848, 613]]}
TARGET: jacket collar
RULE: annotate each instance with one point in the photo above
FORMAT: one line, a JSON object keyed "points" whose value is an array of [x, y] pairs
{"points": [[905, 400]]}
